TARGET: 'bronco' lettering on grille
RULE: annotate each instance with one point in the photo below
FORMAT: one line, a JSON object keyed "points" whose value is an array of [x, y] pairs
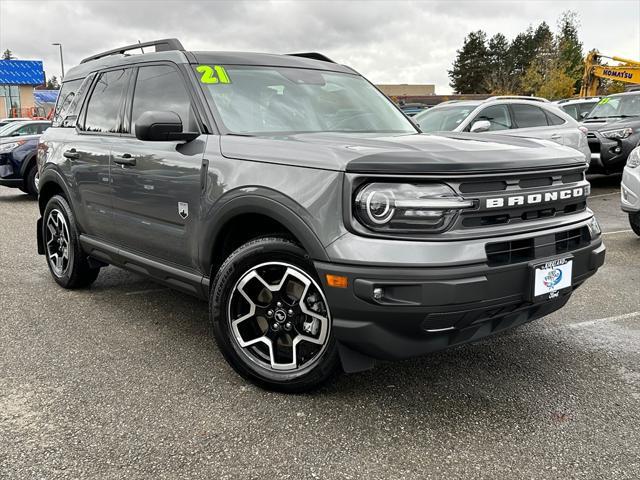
{"points": [[534, 198]]}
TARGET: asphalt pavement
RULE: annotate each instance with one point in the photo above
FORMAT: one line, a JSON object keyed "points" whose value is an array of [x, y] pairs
{"points": [[123, 381]]}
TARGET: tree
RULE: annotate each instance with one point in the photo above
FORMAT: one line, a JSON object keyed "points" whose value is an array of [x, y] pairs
{"points": [[8, 55], [53, 84], [471, 66], [570, 47], [500, 80]]}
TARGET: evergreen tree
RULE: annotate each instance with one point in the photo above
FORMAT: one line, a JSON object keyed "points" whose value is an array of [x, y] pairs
{"points": [[8, 55], [53, 84], [570, 47], [471, 66], [500, 80]]}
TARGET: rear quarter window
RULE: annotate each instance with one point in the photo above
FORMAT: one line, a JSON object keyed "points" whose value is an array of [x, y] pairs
{"points": [[65, 101]]}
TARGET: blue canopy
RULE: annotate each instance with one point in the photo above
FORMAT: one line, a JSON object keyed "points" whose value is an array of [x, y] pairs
{"points": [[21, 72]]}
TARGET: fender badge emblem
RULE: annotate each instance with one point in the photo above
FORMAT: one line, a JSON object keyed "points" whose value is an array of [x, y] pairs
{"points": [[183, 209]]}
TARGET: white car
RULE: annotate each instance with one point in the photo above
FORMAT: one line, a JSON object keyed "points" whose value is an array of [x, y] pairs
{"points": [[630, 189], [508, 115]]}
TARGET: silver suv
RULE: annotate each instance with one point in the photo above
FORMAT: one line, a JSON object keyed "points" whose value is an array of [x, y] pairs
{"points": [[510, 115]]}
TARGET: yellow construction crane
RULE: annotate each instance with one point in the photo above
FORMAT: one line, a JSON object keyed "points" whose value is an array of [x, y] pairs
{"points": [[628, 72]]}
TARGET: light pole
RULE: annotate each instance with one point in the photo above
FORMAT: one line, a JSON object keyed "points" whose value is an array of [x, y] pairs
{"points": [[61, 59]]}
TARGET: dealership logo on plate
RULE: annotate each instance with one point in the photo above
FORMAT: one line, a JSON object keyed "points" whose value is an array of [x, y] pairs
{"points": [[552, 278]]}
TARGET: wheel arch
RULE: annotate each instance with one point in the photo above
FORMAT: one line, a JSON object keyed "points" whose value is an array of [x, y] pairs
{"points": [[251, 216], [51, 183]]}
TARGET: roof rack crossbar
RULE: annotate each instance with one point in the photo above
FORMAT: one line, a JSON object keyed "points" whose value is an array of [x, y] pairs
{"points": [[164, 45], [518, 97], [312, 56]]}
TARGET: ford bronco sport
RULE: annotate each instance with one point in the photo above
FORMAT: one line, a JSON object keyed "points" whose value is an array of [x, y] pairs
{"points": [[322, 226]]}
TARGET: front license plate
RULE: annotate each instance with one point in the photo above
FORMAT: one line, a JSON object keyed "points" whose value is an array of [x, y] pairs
{"points": [[551, 278]]}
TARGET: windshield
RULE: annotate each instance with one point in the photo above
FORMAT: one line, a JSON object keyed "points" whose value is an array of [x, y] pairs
{"points": [[273, 100], [622, 106], [443, 119]]}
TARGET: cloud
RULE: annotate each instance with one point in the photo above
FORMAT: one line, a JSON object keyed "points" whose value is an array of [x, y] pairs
{"points": [[388, 41]]}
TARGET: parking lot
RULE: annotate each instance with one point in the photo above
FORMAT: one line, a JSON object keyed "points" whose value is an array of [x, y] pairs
{"points": [[123, 381]]}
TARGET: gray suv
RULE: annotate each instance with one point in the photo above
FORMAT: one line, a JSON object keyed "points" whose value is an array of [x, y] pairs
{"points": [[324, 229]]}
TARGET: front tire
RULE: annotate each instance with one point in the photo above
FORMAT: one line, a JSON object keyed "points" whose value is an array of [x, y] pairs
{"points": [[67, 262], [271, 319], [634, 221], [31, 181]]}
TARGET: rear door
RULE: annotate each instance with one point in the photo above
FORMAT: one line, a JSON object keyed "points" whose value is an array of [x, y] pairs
{"points": [[88, 154], [531, 121], [156, 186]]}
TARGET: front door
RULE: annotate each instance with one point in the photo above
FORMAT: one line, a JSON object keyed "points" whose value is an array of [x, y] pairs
{"points": [[156, 185]]}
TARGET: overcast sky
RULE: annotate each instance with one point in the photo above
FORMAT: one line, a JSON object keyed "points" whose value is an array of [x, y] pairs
{"points": [[387, 41]]}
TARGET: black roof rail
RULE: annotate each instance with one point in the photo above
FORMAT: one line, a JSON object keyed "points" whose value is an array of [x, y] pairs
{"points": [[312, 56], [164, 45]]}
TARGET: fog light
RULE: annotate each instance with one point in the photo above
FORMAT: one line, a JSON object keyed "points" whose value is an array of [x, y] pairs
{"points": [[378, 293], [594, 227], [617, 150]]}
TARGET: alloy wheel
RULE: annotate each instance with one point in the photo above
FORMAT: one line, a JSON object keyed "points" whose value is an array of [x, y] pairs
{"points": [[57, 241], [279, 318]]}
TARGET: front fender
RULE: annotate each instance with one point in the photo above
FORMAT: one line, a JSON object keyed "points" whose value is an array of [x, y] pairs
{"points": [[264, 202]]}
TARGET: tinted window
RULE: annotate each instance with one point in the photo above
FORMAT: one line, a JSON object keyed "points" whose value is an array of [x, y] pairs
{"points": [[554, 119], [42, 127], [65, 97], [30, 129], [161, 87], [103, 111], [497, 116], [527, 116]]}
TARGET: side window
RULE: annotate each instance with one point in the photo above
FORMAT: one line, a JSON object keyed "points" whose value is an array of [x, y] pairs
{"points": [[103, 109], [65, 98], [30, 129], [554, 119], [497, 115], [527, 116], [42, 127], [161, 87]]}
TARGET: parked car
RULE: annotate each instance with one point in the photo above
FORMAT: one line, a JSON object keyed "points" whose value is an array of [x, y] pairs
{"points": [[18, 167], [630, 189], [322, 227], [508, 115], [578, 108], [411, 109], [613, 131], [6, 121], [24, 128]]}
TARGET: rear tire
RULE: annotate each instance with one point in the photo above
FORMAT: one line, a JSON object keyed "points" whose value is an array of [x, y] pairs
{"points": [[67, 262], [634, 221], [30, 181], [270, 317]]}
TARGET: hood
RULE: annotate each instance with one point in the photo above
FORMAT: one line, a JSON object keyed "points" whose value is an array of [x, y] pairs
{"points": [[599, 124], [24, 138], [403, 154]]}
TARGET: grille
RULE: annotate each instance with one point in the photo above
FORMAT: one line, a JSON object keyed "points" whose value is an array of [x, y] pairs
{"points": [[522, 184], [526, 250]]}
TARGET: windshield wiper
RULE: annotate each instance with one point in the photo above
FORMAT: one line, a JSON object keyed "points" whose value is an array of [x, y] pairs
{"points": [[613, 116]]}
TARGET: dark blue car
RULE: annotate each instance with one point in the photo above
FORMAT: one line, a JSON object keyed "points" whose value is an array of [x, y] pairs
{"points": [[18, 150]]}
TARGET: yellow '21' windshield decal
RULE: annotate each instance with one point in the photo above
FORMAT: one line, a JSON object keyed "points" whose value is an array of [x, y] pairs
{"points": [[215, 74]]}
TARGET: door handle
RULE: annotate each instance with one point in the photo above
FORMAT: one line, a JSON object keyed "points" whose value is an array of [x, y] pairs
{"points": [[71, 154], [556, 137], [125, 159]]}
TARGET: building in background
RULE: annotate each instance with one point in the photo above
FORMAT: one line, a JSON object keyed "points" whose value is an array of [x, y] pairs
{"points": [[406, 90], [17, 81]]}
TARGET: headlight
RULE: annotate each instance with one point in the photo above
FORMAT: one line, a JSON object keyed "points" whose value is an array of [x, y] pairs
{"points": [[8, 147], [634, 158], [405, 207], [594, 227], [618, 134]]}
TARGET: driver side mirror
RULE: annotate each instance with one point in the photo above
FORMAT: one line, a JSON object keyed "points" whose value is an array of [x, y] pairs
{"points": [[157, 126], [480, 126]]}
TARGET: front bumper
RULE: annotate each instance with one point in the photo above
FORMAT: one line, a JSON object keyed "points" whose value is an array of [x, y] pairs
{"points": [[607, 155], [426, 309], [630, 190]]}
